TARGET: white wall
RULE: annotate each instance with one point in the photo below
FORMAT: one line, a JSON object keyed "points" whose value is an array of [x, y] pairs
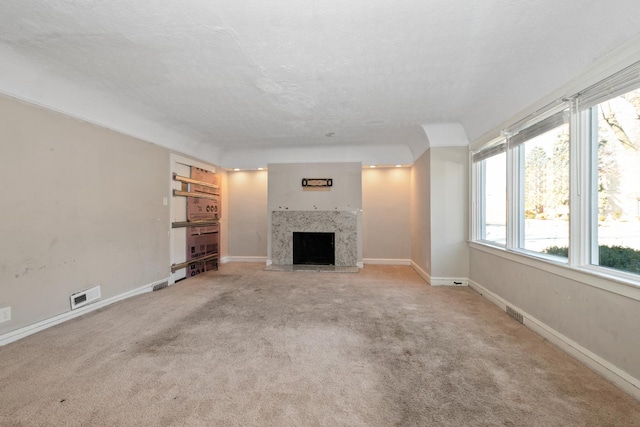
{"points": [[386, 234], [82, 206], [286, 193]]}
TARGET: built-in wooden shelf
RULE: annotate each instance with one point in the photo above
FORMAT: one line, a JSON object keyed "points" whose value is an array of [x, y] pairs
{"points": [[175, 267]]}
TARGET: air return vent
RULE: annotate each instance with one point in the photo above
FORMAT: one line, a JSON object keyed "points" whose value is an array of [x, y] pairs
{"points": [[85, 297], [160, 286], [513, 313]]}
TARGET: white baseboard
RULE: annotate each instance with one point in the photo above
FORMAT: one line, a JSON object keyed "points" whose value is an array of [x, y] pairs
{"points": [[25, 331], [439, 281], [360, 264], [611, 372], [262, 259], [421, 272], [386, 261], [449, 281]]}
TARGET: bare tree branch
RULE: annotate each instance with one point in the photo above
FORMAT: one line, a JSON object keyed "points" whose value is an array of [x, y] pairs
{"points": [[611, 120], [634, 99]]}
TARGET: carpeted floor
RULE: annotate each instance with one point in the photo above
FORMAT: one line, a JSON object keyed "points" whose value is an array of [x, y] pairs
{"points": [[243, 346]]}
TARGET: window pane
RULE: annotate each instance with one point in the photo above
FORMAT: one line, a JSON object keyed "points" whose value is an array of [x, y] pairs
{"points": [[495, 199], [545, 192], [618, 183]]}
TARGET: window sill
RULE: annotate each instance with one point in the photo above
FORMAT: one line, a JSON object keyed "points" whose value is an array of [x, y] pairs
{"points": [[623, 286]]}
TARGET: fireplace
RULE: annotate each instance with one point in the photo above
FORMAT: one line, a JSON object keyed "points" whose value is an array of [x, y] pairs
{"points": [[314, 248], [341, 224]]}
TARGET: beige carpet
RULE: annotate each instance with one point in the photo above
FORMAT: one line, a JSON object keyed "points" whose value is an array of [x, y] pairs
{"points": [[243, 346]]}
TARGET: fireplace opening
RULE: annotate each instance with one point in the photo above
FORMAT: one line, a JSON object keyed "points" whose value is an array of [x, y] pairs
{"points": [[314, 248]]}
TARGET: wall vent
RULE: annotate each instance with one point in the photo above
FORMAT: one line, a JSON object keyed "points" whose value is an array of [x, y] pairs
{"points": [[516, 315], [159, 286], [85, 297]]}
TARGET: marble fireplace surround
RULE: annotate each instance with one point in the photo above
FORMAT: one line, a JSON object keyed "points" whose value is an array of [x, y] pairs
{"points": [[342, 223]]}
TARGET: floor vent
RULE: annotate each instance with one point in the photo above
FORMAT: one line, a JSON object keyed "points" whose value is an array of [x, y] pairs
{"points": [[160, 286], [518, 316], [85, 297]]}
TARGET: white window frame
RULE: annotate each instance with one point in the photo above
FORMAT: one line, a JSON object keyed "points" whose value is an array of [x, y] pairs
{"points": [[583, 243], [517, 164], [587, 257], [478, 173]]}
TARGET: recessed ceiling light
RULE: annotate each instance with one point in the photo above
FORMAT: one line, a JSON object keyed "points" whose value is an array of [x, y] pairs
{"points": [[372, 166], [236, 169], [398, 166], [260, 169]]}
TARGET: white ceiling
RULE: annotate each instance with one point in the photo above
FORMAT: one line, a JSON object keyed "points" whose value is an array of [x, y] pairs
{"points": [[245, 82]]}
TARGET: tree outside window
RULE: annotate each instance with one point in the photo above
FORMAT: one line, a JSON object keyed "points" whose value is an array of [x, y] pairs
{"points": [[546, 190]]}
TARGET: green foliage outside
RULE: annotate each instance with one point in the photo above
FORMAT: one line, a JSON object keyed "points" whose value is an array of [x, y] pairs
{"points": [[618, 257]]}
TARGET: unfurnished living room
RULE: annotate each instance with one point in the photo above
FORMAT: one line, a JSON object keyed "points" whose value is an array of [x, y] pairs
{"points": [[360, 213]]}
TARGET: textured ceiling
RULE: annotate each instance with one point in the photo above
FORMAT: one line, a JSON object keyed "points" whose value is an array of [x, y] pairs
{"points": [[229, 79]]}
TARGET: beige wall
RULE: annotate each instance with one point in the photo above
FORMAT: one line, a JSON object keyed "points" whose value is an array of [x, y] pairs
{"points": [[385, 192], [439, 213], [81, 206], [285, 190], [385, 214], [247, 213], [224, 220], [603, 322], [420, 212], [449, 212]]}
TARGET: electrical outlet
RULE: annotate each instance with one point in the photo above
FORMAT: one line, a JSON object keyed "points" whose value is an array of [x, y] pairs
{"points": [[5, 314]]}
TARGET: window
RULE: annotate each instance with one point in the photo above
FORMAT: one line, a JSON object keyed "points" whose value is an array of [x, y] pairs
{"points": [[541, 176], [563, 184], [544, 192], [495, 199], [491, 168], [615, 142]]}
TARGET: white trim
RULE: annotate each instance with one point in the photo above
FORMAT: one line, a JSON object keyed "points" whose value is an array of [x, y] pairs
{"points": [[439, 281], [609, 371], [449, 281], [360, 264], [386, 261], [190, 161], [227, 259], [68, 97], [597, 279], [421, 272], [55, 320]]}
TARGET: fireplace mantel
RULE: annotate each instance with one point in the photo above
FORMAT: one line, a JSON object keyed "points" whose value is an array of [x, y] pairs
{"points": [[342, 223]]}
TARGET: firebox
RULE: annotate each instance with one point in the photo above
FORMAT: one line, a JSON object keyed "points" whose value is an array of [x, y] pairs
{"points": [[314, 248]]}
